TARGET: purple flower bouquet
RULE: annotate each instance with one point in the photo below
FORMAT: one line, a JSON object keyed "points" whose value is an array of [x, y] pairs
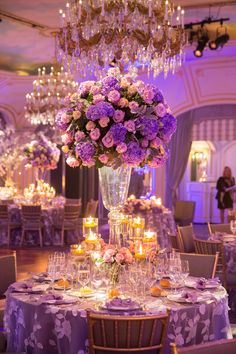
{"points": [[116, 121]]}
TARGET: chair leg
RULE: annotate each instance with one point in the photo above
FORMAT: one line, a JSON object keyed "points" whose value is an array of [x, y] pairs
{"points": [[62, 236], [40, 238], [22, 237], [8, 236]]}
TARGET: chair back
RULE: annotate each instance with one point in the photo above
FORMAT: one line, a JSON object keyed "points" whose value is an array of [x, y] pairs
{"points": [[8, 272], [7, 201], [109, 333], [31, 214], [184, 212], [4, 216], [219, 228], [72, 201], [224, 346], [174, 242], [201, 265], [72, 213], [91, 208], [212, 247], [186, 235]]}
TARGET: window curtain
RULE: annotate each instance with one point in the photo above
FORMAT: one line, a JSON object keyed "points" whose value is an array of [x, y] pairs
{"points": [[180, 147]]}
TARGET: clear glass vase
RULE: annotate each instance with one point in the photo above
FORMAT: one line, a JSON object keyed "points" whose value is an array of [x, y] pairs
{"points": [[114, 185]]}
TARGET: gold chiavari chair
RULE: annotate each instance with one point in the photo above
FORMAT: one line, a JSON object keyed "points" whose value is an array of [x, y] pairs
{"points": [[185, 236], [31, 221], [136, 334], [219, 228], [201, 265], [70, 221]]}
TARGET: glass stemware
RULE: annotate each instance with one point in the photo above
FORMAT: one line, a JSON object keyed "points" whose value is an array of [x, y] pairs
{"points": [[83, 277]]}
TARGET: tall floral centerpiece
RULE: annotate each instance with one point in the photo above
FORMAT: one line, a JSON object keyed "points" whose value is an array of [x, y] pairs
{"points": [[41, 154], [115, 124]]}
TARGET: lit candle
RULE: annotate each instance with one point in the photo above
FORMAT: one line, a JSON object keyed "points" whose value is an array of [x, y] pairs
{"points": [[166, 12], [90, 222], [158, 202], [91, 238], [77, 250], [132, 197], [150, 236], [138, 223], [182, 18], [140, 254]]}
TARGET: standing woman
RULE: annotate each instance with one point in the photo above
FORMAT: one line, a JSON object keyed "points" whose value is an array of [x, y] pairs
{"points": [[224, 196]]}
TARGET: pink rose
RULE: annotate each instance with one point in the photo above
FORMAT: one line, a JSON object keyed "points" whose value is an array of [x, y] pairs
{"points": [[79, 135], [89, 163], [85, 86], [76, 115], [118, 116], [144, 143], [108, 255], [66, 138], [67, 100], [95, 90], [90, 125], [155, 143], [95, 134], [160, 110], [65, 118], [98, 98], [120, 258], [133, 106], [139, 84], [107, 140], [122, 147], [132, 90], [148, 95], [123, 102], [124, 83], [103, 122], [114, 96], [103, 158], [130, 126], [72, 161], [129, 258]]}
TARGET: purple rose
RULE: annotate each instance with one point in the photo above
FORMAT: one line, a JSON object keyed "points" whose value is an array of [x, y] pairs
{"points": [[119, 116], [85, 150], [148, 127], [134, 154], [114, 96], [109, 83], [99, 110], [118, 132], [130, 126], [107, 140]]}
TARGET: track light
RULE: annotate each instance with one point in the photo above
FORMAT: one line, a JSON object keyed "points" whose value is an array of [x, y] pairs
{"points": [[202, 41], [220, 41]]}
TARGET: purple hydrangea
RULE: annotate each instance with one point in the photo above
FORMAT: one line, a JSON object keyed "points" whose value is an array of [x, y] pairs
{"points": [[134, 154], [85, 150], [58, 121], [158, 96], [109, 83], [118, 132], [148, 127], [169, 126], [100, 110]]}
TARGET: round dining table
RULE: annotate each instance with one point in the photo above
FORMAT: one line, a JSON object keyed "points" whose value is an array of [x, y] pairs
{"points": [[37, 327]]}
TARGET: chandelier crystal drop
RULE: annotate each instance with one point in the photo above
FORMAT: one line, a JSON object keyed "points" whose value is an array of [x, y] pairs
{"points": [[95, 33], [46, 99]]}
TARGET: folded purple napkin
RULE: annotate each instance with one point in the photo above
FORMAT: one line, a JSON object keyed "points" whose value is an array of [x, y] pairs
{"points": [[48, 297], [21, 286], [189, 296], [203, 283], [128, 304]]}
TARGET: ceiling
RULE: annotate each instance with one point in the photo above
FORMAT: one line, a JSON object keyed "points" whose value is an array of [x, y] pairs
{"points": [[24, 48]]}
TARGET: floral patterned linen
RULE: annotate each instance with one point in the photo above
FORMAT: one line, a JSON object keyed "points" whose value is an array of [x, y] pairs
{"points": [[42, 329], [50, 217]]}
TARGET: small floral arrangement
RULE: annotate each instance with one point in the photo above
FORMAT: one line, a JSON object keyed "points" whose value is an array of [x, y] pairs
{"points": [[141, 206], [116, 121], [111, 254], [42, 154]]}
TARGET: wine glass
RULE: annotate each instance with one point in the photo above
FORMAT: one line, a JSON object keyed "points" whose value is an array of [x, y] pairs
{"points": [[96, 280], [233, 226], [84, 277], [184, 269]]}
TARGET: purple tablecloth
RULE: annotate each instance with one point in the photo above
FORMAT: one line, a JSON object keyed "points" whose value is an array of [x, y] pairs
{"points": [[50, 217], [62, 329]]}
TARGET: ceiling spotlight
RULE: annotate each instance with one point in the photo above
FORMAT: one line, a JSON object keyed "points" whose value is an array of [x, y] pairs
{"points": [[220, 41], [202, 41]]}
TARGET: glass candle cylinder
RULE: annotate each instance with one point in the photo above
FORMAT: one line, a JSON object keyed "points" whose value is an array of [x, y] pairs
{"points": [[90, 224]]}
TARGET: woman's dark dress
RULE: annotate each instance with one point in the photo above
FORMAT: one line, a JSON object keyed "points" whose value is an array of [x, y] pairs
{"points": [[225, 200]]}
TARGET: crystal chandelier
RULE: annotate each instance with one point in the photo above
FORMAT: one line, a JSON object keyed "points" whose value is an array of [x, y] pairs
{"points": [[43, 103], [95, 33]]}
